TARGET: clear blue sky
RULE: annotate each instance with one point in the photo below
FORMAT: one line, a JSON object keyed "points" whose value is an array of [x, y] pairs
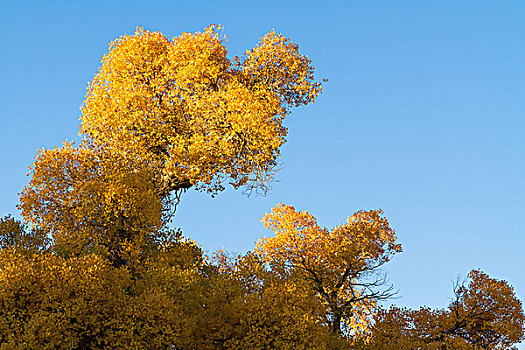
{"points": [[423, 116]]}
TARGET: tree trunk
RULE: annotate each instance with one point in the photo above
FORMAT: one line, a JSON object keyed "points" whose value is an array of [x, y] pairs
{"points": [[336, 321]]}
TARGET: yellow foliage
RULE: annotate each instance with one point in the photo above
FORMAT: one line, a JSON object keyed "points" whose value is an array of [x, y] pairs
{"points": [[160, 116], [14, 234], [488, 311], [182, 106], [91, 200], [50, 303], [336, 263], [485, 314], [163, 115], [269, 311]]}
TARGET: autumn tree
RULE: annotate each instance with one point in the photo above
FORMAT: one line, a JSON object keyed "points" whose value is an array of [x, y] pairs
{"points": [[271, 311], [484, 314], [193, 115], [160, 116], [341, 265]]}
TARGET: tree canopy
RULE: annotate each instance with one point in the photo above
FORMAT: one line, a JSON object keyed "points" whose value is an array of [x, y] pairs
{"points": [[341, 265], [484, 314], [160, 116], [97, 263], [195, 116]]}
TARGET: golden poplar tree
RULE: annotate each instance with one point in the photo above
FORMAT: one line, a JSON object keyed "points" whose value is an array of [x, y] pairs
{"points": [[193, 115], [484, 314], [160, 116], [340, 265]]}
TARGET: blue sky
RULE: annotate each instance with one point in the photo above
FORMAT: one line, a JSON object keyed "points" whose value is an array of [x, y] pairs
{"points": [[423, 116]]}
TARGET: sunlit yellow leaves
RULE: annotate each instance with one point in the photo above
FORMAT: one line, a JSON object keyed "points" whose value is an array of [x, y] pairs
{"points": [[276, 65], [160, 116], [338, 263], [365, 239], [181, 105]]}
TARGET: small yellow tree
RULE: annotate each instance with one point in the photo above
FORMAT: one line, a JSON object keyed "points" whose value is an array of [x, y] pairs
{"points": [[485, 314], [341, 265]]}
